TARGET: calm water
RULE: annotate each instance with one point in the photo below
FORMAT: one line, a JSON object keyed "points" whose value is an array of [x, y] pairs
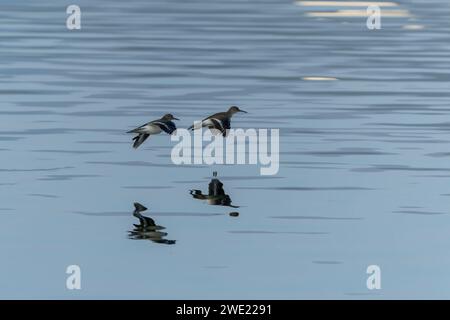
{"points": [[364, 176]]}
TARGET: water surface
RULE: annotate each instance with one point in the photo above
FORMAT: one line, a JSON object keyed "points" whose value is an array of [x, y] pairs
{"points": [[364, 175]]}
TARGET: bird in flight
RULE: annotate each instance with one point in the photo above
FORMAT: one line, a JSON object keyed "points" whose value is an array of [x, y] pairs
{"points": [[153, 127], [220, 121]]}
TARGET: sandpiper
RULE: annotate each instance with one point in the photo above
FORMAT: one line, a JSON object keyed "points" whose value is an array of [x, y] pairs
{"points": [[220, 121], [153, 127]]}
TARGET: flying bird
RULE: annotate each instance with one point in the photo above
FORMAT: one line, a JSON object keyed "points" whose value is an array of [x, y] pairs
{"points": [[220, 121], [153, 127]]}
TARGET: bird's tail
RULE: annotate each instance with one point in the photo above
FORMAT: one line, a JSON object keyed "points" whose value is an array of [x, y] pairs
{"points": [[135, 130], [196, 125]]}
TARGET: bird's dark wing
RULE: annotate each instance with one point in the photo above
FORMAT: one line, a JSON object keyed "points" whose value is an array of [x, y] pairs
{"points": [[139, 139], [166, 126], [216, 124], [226, 125], [220, 123]]}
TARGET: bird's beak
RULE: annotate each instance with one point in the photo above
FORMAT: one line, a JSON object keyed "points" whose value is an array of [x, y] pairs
{"points": [[175, 118], [243, 111]]}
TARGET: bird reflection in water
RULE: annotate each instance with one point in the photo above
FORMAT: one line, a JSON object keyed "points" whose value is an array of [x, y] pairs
{"points": [[147, 228], [216, 194]]}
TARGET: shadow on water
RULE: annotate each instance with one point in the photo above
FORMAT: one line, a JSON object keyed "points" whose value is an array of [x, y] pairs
{"points": [[216, 194], [147, 229]]}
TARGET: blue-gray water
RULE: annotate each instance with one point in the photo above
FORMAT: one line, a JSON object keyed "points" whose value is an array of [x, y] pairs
{"points": [[364, 175]]}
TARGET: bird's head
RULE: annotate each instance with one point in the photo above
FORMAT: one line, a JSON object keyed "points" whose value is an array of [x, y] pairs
{"points": [[169, 117], [235, 109]]}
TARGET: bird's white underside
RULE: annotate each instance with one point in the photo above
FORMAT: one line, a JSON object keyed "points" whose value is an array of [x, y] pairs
{"points": [[150, 129]]}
